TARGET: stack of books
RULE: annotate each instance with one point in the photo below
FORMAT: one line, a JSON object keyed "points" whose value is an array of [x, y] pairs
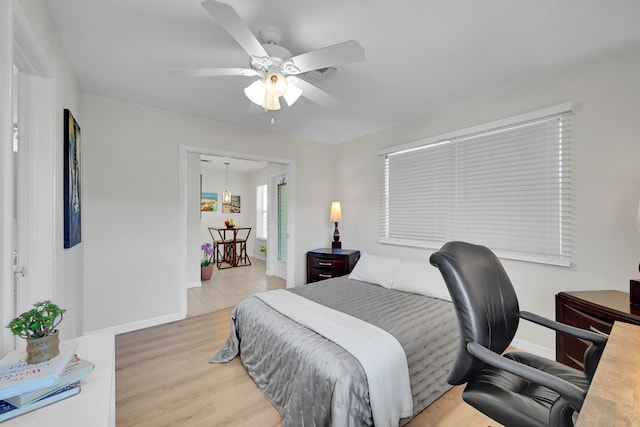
{"points": [[25, 387]]}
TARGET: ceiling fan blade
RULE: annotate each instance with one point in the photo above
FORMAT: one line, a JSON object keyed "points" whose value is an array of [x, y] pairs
{"points": [[214, 72], [317, 95], [229, 19], [337, 54]]}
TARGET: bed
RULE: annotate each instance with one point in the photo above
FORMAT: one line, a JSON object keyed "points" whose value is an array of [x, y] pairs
{"points": [[313, 381]]}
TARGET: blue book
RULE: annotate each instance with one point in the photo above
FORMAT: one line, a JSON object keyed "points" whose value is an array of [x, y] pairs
{"points": [[8, 411]]}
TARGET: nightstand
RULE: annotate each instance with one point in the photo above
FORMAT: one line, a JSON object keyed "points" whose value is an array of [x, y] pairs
{"points": [[325, 263]]}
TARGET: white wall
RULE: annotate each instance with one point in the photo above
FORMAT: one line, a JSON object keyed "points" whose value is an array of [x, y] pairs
{"points": [[131, 204], [606, 150]]}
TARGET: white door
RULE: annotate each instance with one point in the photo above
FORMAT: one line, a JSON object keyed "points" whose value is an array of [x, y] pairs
{"points": [[20, 188]]}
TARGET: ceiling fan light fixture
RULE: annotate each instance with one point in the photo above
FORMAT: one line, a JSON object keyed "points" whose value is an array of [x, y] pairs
{"points": [[276, 84], [292, 94], [256, 92]]}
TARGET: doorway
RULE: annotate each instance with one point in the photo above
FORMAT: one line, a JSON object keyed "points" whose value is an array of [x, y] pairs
{"points": [[187, 205]]}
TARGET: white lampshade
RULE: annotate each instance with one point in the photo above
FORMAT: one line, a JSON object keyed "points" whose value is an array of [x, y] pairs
{"points": [[292, 94], [271, 102], [256, 92], [336, 212]]}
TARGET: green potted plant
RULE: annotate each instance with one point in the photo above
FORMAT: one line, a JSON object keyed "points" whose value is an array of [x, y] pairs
{"points": [[38, 327], [206, 264]]}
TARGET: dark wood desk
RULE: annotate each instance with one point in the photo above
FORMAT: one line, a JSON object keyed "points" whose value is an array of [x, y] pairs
{"points": [[234, 247], [591, 310], [613, 398]]}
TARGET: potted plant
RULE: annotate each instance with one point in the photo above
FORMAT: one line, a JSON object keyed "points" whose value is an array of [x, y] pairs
{"points": [[206, 264], [38, 327]]}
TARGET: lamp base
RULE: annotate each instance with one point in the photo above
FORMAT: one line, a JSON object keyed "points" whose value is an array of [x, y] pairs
{"points": [[634, 292], [336, 246]]}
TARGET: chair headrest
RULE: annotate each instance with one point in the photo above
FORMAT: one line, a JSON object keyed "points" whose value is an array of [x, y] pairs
{"points": [[484, 299]]}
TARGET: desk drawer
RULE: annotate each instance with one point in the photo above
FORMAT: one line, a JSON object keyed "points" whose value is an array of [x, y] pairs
{"points": [[574, 316]]}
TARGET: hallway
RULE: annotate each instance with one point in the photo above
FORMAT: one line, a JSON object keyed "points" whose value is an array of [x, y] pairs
{"points": [[229, 286]]}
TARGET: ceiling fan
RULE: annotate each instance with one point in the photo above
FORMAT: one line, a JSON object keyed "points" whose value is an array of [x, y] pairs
{"points": [[279, 73]]}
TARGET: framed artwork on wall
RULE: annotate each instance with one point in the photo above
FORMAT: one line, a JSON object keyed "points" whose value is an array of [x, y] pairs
{"points": [[209, 202], [72, 212], [233, 206]]}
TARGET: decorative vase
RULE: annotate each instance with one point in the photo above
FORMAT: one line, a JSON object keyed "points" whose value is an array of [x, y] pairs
{"points": [[44, 348], [206, 272]]}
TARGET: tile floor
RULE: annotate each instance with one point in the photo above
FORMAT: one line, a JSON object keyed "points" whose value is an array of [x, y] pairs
{"points": [[229, 286]]}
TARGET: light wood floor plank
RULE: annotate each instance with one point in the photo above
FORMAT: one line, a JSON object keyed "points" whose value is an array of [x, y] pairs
{"points": [[164, 378]]}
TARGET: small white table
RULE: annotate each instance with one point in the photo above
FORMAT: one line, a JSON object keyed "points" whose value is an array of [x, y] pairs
{"points": [[95, 405]]}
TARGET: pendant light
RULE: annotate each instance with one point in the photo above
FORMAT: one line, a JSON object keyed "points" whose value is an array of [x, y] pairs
{"points": [[226, 196]]}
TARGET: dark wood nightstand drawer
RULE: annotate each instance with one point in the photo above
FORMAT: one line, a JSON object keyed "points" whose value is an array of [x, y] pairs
{"points": [[319, 274], [325, 263], [328, 263]]}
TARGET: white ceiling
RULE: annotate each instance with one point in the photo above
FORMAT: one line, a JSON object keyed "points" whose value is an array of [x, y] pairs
{"points": [[421, 55]]}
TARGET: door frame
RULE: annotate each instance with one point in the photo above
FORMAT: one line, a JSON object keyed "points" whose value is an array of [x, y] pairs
{"points": [[38, 100], [184, 150]]}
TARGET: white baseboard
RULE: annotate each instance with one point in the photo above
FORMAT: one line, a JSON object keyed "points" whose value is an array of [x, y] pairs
{"points": [[194, 285], [134, 326], [534, 348]]}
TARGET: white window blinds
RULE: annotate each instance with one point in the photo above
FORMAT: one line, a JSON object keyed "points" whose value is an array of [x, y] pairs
{"points": [[505, 184]]}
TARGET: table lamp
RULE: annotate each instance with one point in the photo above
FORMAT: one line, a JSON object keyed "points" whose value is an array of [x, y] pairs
{"points": [[335, 217]]}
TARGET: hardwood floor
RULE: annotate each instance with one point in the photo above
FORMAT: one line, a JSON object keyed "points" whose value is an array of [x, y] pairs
{"points": [[163, 378]]}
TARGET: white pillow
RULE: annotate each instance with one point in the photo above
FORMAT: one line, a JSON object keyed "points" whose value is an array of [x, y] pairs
{"points": [[375, 269], [420, 278]]}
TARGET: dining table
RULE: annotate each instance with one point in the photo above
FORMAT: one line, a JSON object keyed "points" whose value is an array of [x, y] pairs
{"points": [[233, 241]]}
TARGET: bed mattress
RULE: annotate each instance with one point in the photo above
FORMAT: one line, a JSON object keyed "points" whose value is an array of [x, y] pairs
{"points": [[314, 382]]}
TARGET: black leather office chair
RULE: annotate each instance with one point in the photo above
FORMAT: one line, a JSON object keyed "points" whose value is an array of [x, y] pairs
{"points": [[515, 389]]}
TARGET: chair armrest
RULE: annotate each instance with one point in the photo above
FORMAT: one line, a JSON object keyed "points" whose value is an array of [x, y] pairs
{"points": [[599, 340], [571, 392]]}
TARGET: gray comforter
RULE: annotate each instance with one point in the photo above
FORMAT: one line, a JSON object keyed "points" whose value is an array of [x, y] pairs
{"points": [[314, 382]]}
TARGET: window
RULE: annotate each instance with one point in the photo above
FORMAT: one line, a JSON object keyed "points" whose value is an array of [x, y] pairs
{"points": [[261, 212], [505, 185]]}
